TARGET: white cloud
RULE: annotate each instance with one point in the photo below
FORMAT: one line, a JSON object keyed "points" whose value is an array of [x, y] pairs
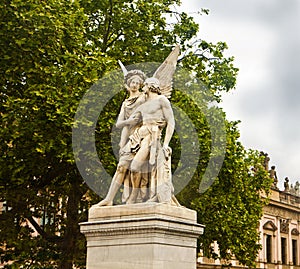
{"points": [[264, 38]]}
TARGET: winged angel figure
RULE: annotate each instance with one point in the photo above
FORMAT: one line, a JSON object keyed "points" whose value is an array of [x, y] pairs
{"points": [[144, 166]]}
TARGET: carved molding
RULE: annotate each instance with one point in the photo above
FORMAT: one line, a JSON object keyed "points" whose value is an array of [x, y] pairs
{"points": [[295, 231], [284, 226], [134, 230], [160, 229], [269, 225]]}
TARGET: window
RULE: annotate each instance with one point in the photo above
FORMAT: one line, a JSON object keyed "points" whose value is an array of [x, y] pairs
{"points": [[294, 251], [283, 250], [269, 248]]}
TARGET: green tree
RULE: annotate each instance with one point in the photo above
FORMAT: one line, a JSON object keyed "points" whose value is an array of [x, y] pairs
{"points": [[51, 53], [46, 65]]}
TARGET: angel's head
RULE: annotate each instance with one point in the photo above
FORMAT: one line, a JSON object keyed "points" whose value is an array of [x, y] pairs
{"points": [[134, 79], [152, 85]]}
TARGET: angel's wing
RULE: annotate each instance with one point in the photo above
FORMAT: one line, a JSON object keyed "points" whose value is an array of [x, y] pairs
{"points": [[125, 72], [165, 72]]}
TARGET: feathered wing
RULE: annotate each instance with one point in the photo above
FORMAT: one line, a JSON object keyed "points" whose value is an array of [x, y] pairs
{"points": [[123, 68], [165, 72]]}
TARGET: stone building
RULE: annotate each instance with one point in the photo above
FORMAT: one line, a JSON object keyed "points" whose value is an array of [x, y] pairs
{"points": [[279, 229]]}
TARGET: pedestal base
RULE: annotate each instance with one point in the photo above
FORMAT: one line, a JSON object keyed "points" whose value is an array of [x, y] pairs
{"points": [[141, 236]]}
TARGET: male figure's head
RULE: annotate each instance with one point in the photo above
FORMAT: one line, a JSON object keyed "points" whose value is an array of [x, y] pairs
{"points": [[152, 85]]}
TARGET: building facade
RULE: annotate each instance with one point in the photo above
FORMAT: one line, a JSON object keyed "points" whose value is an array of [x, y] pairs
{"points": [[279, 229], [279, 234]]}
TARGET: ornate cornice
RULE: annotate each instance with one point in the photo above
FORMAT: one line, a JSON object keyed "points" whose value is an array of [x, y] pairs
{"points": [[281, 211], [134, 231], [143, 226]]}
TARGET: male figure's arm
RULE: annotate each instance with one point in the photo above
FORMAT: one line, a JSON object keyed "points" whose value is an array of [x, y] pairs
{"points": [[169, 116]]}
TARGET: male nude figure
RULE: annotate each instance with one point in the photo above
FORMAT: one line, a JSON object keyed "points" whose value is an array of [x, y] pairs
{"points": [[155, 114]]}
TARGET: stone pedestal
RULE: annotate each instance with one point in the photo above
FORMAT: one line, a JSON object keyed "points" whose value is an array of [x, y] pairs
{"points": [[141, 236]]}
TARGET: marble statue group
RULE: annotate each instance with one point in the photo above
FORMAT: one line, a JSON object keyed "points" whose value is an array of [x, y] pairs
{"points": [[144, 167]]}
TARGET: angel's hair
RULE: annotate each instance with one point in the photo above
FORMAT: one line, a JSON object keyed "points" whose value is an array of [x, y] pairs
{"points": [[134, 73]]}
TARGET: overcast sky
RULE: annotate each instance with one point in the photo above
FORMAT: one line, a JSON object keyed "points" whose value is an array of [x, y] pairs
{"points": [[264, 38]]}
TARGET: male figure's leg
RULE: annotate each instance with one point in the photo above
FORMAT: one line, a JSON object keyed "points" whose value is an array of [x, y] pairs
{"points": [[136, 168]]}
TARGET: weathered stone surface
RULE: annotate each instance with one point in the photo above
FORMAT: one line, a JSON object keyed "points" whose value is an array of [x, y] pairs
{"points": [[142, 236], [142, 210]]}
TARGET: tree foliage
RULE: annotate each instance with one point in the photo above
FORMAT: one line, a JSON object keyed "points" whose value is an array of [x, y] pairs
{"points": [[232, 207], [51, 53]]}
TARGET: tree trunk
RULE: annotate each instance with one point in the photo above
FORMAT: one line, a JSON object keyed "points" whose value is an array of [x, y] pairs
{"points": [[72, 231]]}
